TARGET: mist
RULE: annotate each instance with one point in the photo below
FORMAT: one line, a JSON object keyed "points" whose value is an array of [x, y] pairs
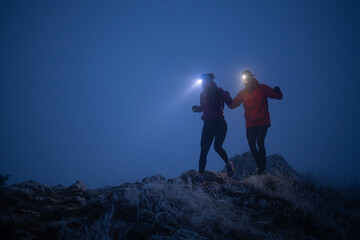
{"points": [[102, 92]]}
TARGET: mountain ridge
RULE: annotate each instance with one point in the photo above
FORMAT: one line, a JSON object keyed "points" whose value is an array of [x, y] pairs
{"points": [[282, 204]]}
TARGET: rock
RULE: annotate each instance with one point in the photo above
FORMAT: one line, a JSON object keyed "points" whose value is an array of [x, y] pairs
{"points": [[276, 163], [76, 187], [209, 177], [19, 192], [245, 165], [189, 176], [58, 187], [80, 200], [154, 179], [44, 200], [34, 186]]}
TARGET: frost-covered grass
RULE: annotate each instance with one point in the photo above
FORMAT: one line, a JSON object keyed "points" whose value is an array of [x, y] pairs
{"points": [[164, 209], [258, 207], [324, 206]]}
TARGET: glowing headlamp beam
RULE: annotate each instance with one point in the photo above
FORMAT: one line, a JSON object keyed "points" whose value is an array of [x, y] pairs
{"points": [[197, 83]]}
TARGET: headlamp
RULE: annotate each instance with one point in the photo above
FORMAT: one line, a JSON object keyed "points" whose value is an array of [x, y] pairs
{"points": [[205, 77], [247, 75]]}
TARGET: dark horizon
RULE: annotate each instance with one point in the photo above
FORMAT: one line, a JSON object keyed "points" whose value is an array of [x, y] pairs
{"points": [[102, 92]]}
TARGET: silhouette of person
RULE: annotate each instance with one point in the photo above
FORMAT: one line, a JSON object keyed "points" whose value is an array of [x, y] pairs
{"points": [[254, 97], [212, 100]]}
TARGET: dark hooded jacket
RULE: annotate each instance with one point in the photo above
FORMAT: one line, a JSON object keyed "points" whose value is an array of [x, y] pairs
{"points": [[212, 102]]}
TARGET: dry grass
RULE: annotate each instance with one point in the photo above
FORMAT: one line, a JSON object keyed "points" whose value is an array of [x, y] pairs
{"points": [[258, 207]]}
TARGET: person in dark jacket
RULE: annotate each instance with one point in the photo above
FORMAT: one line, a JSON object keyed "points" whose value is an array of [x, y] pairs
{"points": [[255, 98], [212, 100]]}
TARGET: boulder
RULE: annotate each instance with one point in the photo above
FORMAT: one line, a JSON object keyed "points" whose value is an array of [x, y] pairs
{"points": [[78, 186], [209, 176], [245, 165], [154, 179]]}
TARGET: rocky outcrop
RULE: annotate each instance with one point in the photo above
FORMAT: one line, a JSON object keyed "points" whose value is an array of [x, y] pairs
{"points": [[278, 205], [245, 165]]}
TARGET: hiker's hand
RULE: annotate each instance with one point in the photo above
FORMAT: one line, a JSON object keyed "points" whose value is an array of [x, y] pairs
{"points": [[196, 108], [276, 89]]}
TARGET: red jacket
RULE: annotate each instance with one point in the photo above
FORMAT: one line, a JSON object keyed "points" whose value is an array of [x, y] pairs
{"points": [[256, 104]]}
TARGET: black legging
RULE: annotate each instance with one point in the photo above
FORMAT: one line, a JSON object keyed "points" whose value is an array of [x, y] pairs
{"points": [[213, 128], [257, 135]]}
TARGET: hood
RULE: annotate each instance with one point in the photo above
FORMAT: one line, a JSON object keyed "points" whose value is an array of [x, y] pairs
{"points": [[211, 88]]}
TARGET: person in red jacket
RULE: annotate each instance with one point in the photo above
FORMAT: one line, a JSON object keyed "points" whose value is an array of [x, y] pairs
{"points": [[212, 100], [254, 97]]}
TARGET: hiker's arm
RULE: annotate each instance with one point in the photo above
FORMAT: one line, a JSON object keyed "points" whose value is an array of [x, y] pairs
{"points": [[236, 101], [196, 108], [226, 97], [273, 92]]}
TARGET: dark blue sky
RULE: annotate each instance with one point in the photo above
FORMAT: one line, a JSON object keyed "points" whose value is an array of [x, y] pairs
{"points": [[101, 90]]}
